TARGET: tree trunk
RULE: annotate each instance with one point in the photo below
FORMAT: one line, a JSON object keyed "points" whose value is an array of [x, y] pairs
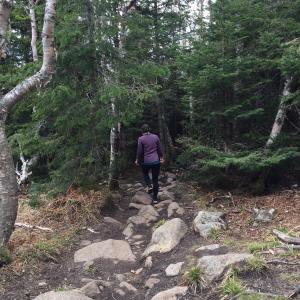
{"points": [[33, 30], [115, 132], [165, 136], [8, 186], [5, 8], [8, 189], [281, 114]]}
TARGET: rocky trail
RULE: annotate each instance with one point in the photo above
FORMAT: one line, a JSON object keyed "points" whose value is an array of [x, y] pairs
{"points": [[173, 250]]}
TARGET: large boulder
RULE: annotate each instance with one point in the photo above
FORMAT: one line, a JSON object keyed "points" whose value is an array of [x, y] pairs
{"points": [[166, 237], [206, 221], [141, 197], [171, 294], [174, 208], [109, 249], [65, 295], [214, 266]]}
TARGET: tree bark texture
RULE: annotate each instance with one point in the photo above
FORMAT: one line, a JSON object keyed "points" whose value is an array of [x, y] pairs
{"points": [[33, 30], [165, 136], [8, 182], [281, 114], [5, 8]]}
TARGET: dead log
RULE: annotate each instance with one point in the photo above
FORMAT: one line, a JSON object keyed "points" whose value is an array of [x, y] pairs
{"points": [[286, 238]]}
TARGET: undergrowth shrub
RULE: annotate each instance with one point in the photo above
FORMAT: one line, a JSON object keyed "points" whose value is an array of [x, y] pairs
{"points": [[253, 170]]}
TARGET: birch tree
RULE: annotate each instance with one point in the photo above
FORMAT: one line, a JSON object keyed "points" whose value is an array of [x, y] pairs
{"points": [[8, 182], [5, 8], [33, 23], [281, 113]]}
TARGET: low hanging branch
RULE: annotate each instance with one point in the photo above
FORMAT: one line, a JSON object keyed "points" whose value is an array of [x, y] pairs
{"points": [[286, 238]]}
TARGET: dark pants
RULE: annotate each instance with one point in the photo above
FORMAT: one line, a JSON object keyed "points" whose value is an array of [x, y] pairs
{"points": [[155, 169]]}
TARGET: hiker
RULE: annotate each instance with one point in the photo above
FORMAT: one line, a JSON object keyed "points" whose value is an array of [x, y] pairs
{"points": [[149, 156]]}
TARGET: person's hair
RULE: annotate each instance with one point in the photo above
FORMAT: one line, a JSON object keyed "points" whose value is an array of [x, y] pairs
{"points": [[145, 128]]}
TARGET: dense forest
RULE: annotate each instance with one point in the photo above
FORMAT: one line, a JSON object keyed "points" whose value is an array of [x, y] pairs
{"points": [[218, 81]]}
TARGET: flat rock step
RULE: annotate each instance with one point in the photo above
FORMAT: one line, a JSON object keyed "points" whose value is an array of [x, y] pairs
{"points": [[110, 249], [64, 295]]}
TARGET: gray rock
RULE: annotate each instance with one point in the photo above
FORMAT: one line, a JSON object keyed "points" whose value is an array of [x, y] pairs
{"points": [[110, 249], [264, 215], [65, 295], [84, 243], [205, 221], [148, 262], [120, 277], [209, 248], [112, 221], [137, 220], [151, 282], [171, 175], [173, 269], [214, 266], [136, 205], [128, 231], [166, 237], [149, 213], [166, 195], [163, 203], [171, 294], [142, 198], [120, 292], [91, 289], [174, 208], [128, 286], [88, 265], [137, 237], [138, 185]]}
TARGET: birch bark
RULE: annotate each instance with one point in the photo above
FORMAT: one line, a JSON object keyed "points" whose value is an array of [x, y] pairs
{"points": [[281, 114], [33, 30], [8, 182], [5, 8]]}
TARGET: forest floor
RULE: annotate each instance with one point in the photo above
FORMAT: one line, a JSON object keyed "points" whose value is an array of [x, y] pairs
{"points": [[44, 261]]}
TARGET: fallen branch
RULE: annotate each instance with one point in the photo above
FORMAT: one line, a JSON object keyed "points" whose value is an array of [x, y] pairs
{"points": [[283, 262], [92, 230], [33, 227], [286, 238]]}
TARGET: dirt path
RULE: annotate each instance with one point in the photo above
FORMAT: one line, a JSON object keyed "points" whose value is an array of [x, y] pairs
{"points": [[117, 278]]}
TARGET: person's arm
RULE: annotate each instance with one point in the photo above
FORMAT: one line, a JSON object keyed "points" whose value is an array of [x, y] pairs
{"points": [[139, 153]]}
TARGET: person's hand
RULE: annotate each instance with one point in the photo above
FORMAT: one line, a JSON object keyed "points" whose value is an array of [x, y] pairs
{"points": [[136, 162], [162, 161]]}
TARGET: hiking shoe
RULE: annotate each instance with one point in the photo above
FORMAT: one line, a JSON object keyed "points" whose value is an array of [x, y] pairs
{"points": [[149, 189]]}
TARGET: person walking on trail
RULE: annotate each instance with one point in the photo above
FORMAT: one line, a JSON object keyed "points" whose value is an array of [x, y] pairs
{"points": [[149, 156]]}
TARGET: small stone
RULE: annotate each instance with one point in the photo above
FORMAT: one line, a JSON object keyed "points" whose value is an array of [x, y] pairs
{"points": [[84, 243], [112, 221], [137, 272], [66, 295], [128, 231], [264, 215], [151, 282], [173, 269], [120, 277], [174, 208], [136, 206], [208, 248], [148, 262], [128, 286], [88, 265], [163, 203], [120, 292], [142, 198], [137, 220], [171, 294], [137, 237], [42, 283], [138, 185], [91, 289]]}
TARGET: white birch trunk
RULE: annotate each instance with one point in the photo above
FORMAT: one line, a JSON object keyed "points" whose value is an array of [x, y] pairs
{"points": [[5, 8], [281, 114], [8, 182], [33, 30]]}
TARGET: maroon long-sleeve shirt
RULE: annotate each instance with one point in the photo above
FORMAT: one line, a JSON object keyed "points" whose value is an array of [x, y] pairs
{"points": [[149, 149]]}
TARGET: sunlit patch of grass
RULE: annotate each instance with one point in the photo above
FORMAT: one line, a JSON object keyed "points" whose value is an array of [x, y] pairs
{"points": [[194, 278], [293, 278], [5, 256], [256, 264], [158, 224], [231, 287], [214, 234], [261, 246]]}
